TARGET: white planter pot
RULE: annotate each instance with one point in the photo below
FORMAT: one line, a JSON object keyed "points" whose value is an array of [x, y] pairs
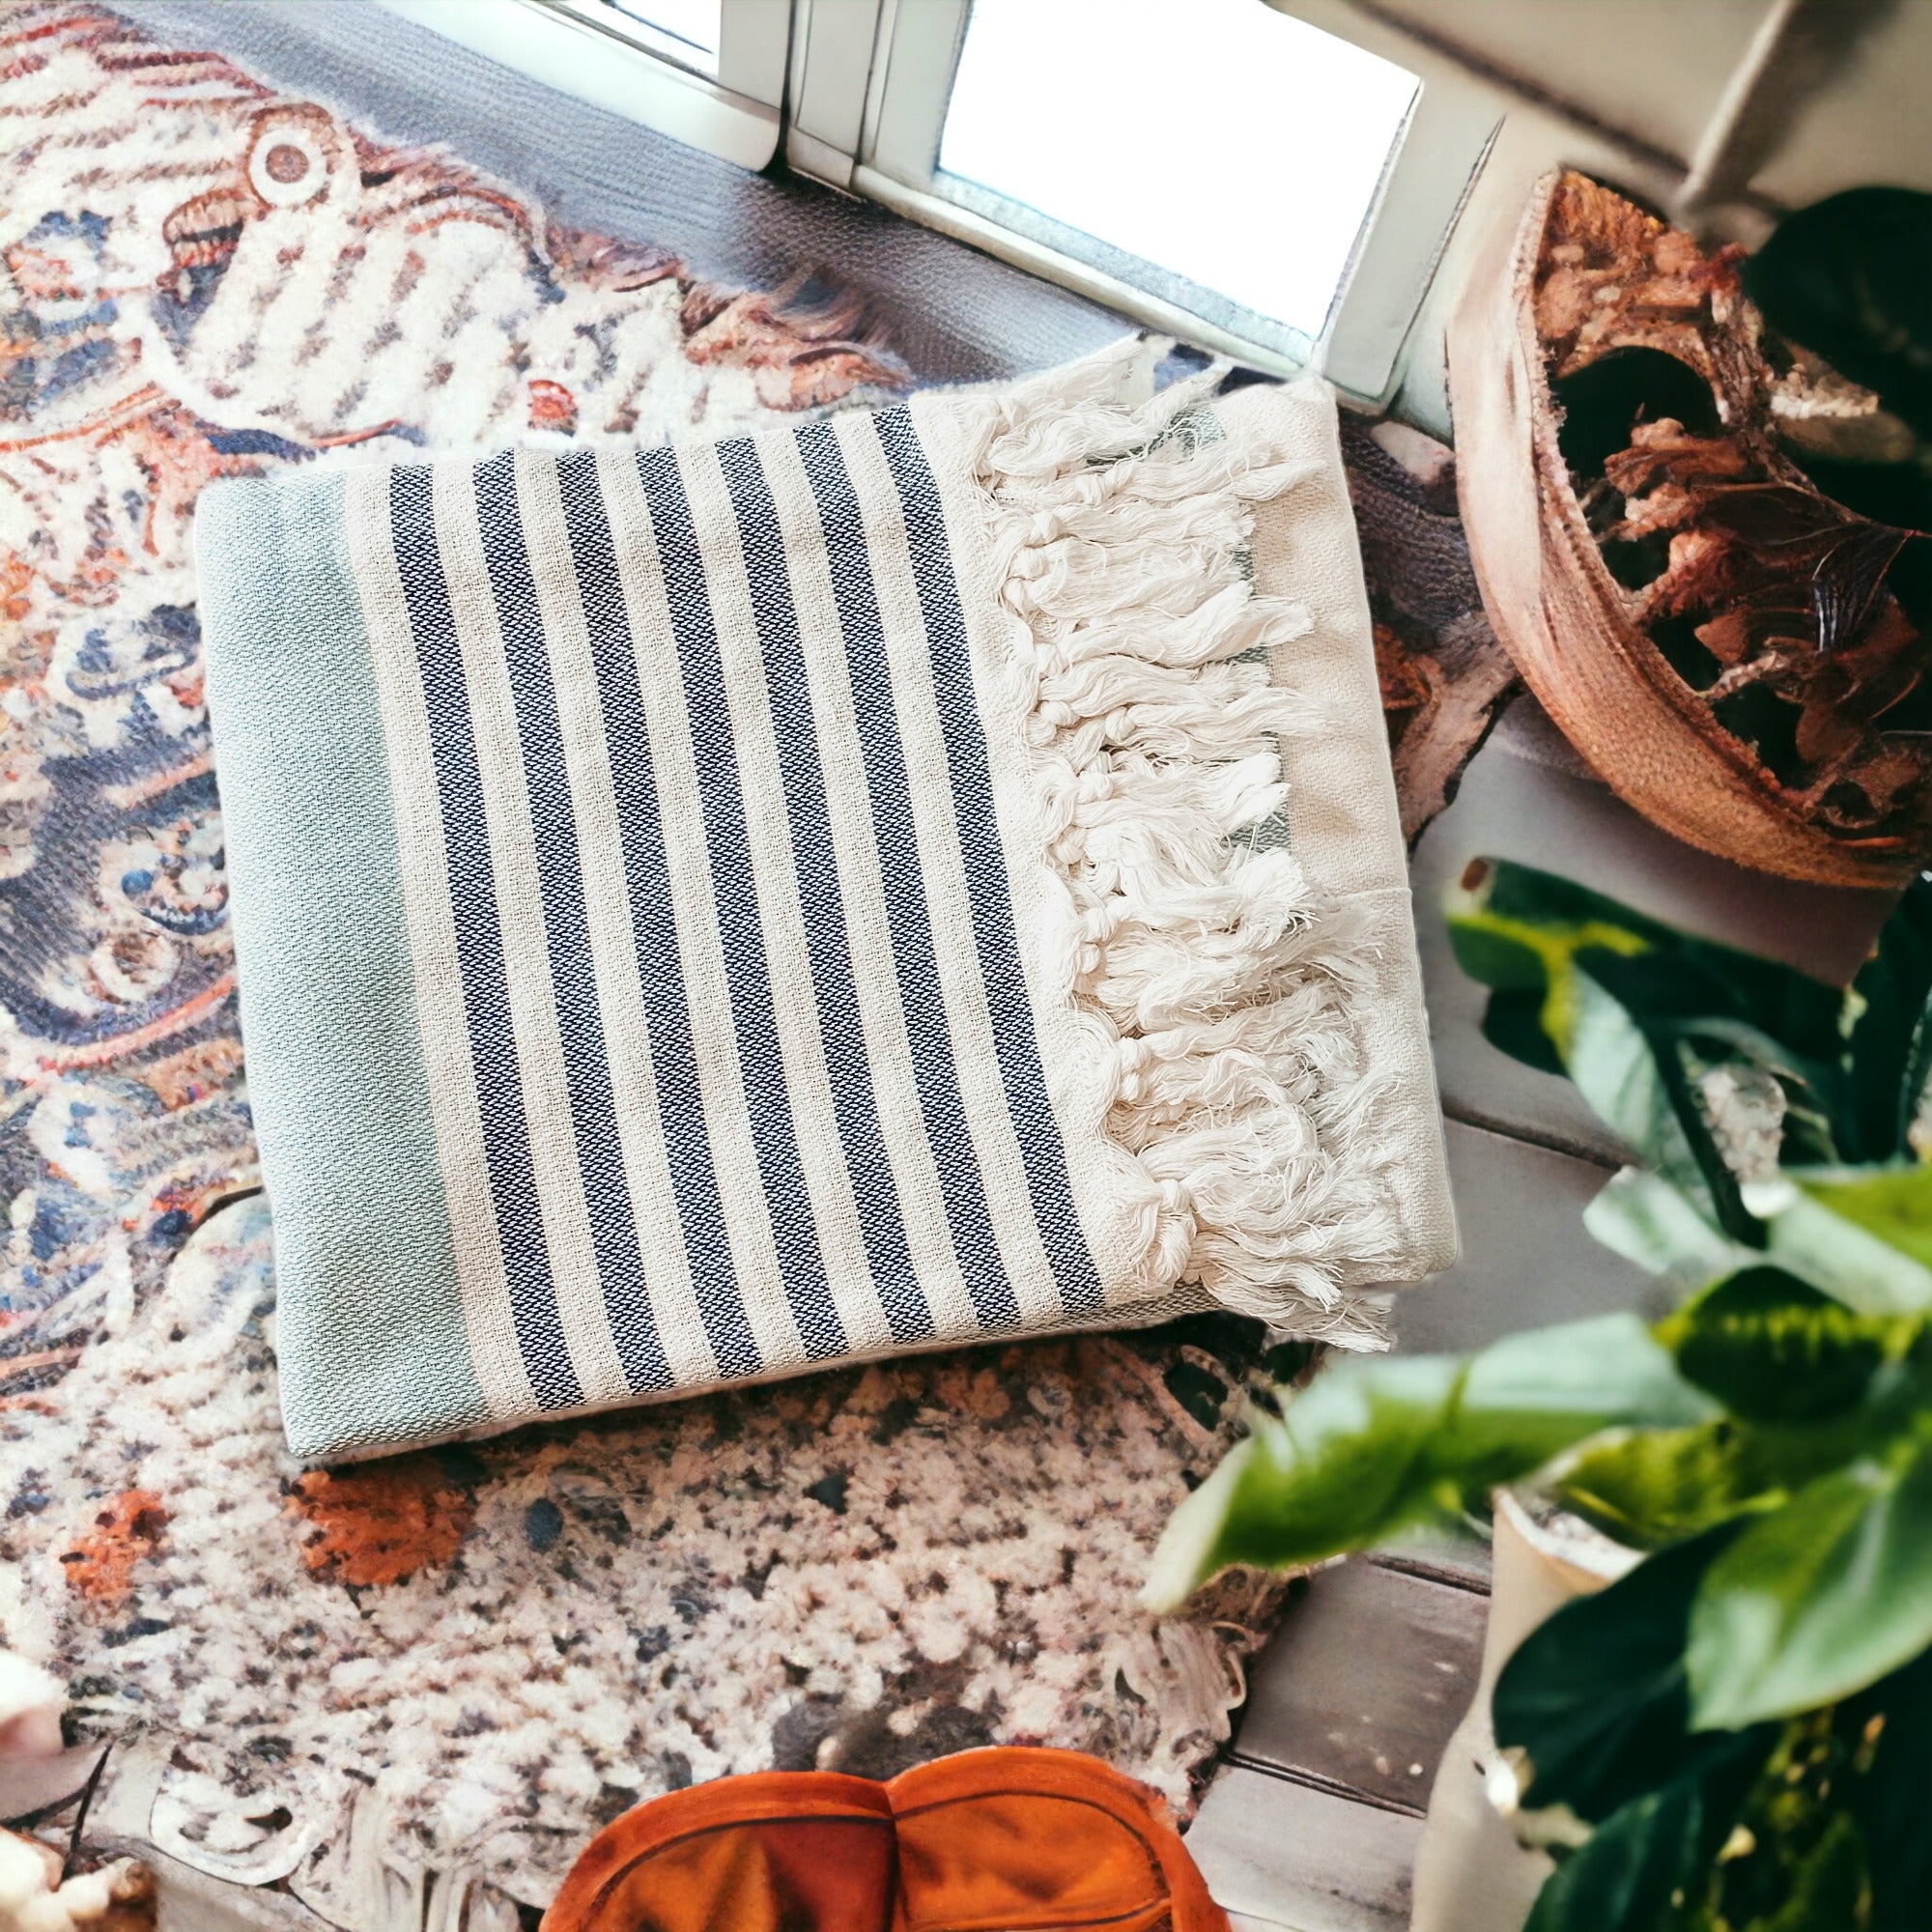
{"points": [[1470, 1873]]}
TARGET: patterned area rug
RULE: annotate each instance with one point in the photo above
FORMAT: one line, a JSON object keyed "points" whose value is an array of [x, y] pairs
{"points": [[455, 1665]]}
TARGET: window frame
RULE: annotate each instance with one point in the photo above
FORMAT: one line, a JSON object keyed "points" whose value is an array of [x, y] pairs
{"points": [[884, 145], [735, 115]]}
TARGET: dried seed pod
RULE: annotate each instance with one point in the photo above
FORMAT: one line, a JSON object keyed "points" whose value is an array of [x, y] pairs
{"points": [[1731, 648]]}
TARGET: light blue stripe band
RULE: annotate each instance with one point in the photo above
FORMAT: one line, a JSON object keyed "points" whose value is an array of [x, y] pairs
{"points": [[371, 1331]]}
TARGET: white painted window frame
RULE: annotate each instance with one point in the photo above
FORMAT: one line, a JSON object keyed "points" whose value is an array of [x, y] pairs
{"points": [[593, 53], [879, 137]]}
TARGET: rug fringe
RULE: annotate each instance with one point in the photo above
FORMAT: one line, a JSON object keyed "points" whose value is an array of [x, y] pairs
{"points": [[1119, 522]]}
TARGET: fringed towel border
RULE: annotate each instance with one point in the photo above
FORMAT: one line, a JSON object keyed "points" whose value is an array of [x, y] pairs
{"points": [[1226, 996]]}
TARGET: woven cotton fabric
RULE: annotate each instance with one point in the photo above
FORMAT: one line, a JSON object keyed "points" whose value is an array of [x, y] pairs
{"points": [[705, 912]]}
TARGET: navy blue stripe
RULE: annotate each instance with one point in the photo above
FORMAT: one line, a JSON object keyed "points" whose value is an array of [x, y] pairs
{"points": [[479, 944], [907, 911], [740, 929], [1015, 1042], [814, 859], [694, 1173], [573, 973]]}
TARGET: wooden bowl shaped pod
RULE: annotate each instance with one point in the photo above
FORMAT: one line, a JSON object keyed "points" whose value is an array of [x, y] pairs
{"points": [[1741, 678], [1001, 1840]]}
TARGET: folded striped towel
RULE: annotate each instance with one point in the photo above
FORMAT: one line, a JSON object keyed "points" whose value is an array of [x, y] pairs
{"points": [[704, 912]]}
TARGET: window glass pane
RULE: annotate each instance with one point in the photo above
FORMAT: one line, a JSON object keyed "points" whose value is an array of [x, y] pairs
{"points": [[1233, 146], [695, 22], [684, 31]]}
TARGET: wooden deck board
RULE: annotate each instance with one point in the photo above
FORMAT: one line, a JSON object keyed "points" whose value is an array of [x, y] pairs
{"points": [[1286, 1856], [1526, 1260], [1371, 1671]]}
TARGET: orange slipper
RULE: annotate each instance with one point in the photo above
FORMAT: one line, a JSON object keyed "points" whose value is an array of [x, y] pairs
{"points": [[1001, 1840]]}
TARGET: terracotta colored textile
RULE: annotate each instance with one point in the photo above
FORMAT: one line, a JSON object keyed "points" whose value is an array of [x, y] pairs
{"points": [[1002, 1841]]}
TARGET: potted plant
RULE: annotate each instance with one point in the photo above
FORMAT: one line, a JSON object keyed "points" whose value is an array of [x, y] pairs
{"points": [[1735, 1733]]}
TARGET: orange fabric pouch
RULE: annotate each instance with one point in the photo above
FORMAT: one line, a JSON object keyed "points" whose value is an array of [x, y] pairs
{"points": [[1002, 1841]]}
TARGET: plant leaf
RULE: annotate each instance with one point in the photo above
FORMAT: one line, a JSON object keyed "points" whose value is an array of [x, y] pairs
{"points": [[1859, 1266], [1891, 1041], [1513, 1024], [1619, 998], [1596, 1695], [1895, 1203], [1812, 1088], [1373, 1448], [1641, 1861], [1524, 932], [1828, 1883], [1668, 1231], [1605, 1053], [1819, 1597], [1340, 1468], [1656, 1225], [1791, 1024], [1848, 278], [1655, 1487], [1635, 1085], [1555, 1386], [1690, 1020], [1510, 897], [1773, 1348], [1518, 932], [1498, 954]]}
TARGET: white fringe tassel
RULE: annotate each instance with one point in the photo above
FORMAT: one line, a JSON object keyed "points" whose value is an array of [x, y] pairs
{"points": [[1228, 988]]}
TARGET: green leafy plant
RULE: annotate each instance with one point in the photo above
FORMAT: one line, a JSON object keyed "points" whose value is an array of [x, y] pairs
{"points": [[1739, 1730], [1850, 280]]}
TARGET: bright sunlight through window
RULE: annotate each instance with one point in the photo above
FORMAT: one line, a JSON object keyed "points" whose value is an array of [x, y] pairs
{"points": [[1226, 143]]}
